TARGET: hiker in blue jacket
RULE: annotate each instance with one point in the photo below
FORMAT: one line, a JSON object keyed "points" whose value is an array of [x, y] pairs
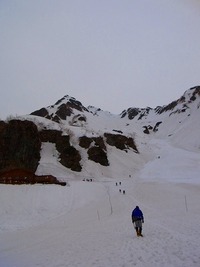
{"points": [[138, 220]]}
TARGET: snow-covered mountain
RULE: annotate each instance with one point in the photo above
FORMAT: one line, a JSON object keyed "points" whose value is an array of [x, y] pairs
{"points": [[85, 141], [174, 122], [146, 157], [71, 112]]}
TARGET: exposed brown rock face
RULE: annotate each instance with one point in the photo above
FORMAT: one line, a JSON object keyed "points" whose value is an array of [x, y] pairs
{"points": [[19, 145], [85, 142], [51, 136], [41, 112], [69, 156], [97, 154], [63, 112], [131, 113], [120, 141], [96, 149]]}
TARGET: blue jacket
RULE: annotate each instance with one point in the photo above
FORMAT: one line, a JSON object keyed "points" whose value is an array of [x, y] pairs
{"points": [[137, 214]]}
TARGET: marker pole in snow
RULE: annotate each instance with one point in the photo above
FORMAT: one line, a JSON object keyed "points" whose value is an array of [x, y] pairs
{"points": [[98, 215], [186, 207]]}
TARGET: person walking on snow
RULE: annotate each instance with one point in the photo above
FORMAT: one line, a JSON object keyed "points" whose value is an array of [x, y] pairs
{"points": [[138, 220]]}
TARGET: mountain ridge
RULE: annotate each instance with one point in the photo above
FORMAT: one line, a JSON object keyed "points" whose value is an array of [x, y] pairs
{"points": [[64, 107], [85, 141]]}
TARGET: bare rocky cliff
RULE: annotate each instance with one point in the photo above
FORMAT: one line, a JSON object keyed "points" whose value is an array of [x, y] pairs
{"points": [[19, 145]]}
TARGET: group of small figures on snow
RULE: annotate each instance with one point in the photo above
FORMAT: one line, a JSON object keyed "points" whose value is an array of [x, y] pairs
{"points": [[137, 217]]}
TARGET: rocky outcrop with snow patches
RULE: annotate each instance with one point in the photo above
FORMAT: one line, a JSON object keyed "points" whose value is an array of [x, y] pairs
{"points": [[61, 110], [163, 118], [189, 101], [87, 140]]}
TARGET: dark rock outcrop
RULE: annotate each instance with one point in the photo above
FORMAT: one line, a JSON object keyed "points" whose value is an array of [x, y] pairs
{"points": [[85, 142], [41, 112], [131, 113], [155, 128], [69, 156], [96, 149], [146, 130], [19, 145], [51, 136], [63, 111], [98, 155], [120, 141]]}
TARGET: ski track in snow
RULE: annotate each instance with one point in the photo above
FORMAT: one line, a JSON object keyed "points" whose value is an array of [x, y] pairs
{"points": [[89, 224]]}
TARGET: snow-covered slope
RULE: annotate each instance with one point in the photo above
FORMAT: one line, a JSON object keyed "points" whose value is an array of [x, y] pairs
{"points": [[87, 223], [177, 122]]}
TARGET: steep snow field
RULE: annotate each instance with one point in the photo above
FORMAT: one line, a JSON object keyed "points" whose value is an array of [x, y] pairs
{"points": [[89, 223]]}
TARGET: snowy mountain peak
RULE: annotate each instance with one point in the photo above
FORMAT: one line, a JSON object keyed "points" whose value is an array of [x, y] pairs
{"points": [[70, 101], [189, 100], [66, 108], [62, 109]]}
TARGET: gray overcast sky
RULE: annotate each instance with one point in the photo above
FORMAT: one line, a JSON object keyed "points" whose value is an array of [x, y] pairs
{"points": [[112, 54]]}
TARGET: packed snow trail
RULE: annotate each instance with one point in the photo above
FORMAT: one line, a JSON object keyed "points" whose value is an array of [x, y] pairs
{"points": [[89, 223], [81, 237]]}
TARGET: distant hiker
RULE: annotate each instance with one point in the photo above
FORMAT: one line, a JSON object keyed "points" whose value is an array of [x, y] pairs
{"points": [[138, 220]]}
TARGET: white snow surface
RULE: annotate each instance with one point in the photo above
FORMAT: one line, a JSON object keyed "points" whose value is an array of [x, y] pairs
{"points": [[88, 223]]}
